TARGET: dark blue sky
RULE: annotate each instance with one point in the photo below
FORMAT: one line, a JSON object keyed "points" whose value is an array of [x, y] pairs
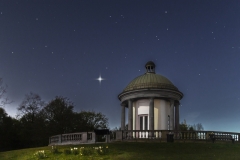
{"points": [[59, 47]]}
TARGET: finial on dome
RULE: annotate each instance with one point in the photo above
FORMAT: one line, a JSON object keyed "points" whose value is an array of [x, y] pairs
{"points": [[150, 67]]}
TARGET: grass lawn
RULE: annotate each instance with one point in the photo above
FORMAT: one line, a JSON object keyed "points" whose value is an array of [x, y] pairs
{"points": [[139, 150]]}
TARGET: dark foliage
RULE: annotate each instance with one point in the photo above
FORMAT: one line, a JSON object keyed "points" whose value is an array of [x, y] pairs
{"points": [[196, 127], [38, 121]]}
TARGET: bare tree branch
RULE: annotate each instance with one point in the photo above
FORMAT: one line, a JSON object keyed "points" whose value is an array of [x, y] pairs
{"points": [[3, 100], [31, 105]]}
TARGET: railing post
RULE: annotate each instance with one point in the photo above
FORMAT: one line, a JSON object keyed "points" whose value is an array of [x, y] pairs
{"points": [[60, 139]]}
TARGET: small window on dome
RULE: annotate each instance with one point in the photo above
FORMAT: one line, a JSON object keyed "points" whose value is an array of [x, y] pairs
{"points": [[150, 67]]}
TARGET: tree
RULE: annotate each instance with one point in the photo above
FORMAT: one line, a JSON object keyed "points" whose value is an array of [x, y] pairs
{"points": [[32, 123], [3, 114], [198, 127], [183, 126], [30, 107], [116, 129], [58, 115], [3, 99], [9, 127], [90, 120]]}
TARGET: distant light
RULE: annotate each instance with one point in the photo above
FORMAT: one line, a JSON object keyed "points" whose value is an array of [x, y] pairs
{"points": [[100, 79]]}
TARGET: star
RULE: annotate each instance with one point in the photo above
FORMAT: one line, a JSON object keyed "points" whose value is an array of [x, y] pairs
{"points": [[100, 79]]}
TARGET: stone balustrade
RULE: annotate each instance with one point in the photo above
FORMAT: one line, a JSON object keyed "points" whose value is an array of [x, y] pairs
{"points": [[129, 135], [72, 138], [126, 135]]}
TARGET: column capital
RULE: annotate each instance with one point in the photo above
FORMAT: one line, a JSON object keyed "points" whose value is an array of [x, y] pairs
{"points": [[129, 100], [171, 102], [123, 104], [176, 103], [151, 100]]}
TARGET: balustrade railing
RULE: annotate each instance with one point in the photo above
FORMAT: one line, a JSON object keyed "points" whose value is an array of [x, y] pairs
{"points": [[90, 137], [72, 138], [178, 135]]}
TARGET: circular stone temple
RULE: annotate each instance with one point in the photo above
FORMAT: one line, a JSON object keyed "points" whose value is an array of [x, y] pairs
{"points": [[152, 101]]}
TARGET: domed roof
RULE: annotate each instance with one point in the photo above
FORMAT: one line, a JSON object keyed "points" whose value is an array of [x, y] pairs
{"points": [[150, 63], [150, 80], [150, 85]]}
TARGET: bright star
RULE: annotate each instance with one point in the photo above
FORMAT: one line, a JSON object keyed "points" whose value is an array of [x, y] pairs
{"points": [[100, 79]]}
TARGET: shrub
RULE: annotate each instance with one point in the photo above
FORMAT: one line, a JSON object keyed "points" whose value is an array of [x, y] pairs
{"points": [[75, 151], [54, 150], [67, 151], [101, 150], [40, 155], [86, 151]]}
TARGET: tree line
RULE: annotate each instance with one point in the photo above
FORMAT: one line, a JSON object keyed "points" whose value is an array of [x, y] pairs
{"points": [[195, 127], [37, 120]]}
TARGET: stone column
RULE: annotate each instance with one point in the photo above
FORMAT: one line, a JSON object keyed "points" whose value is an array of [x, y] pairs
{"points": [[123, 117], [151, 114], [130, 115], [151, 118], [177, 115], [171, 115]]}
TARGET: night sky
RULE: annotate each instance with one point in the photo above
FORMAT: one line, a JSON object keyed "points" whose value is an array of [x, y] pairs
{"points": [[60, 47]]}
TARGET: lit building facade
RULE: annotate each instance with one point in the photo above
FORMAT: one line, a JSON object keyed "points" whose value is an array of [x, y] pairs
{"points": [[152, 101]]}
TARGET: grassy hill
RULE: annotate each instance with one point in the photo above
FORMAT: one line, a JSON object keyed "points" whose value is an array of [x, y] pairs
{"points": [[131, 150]]}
